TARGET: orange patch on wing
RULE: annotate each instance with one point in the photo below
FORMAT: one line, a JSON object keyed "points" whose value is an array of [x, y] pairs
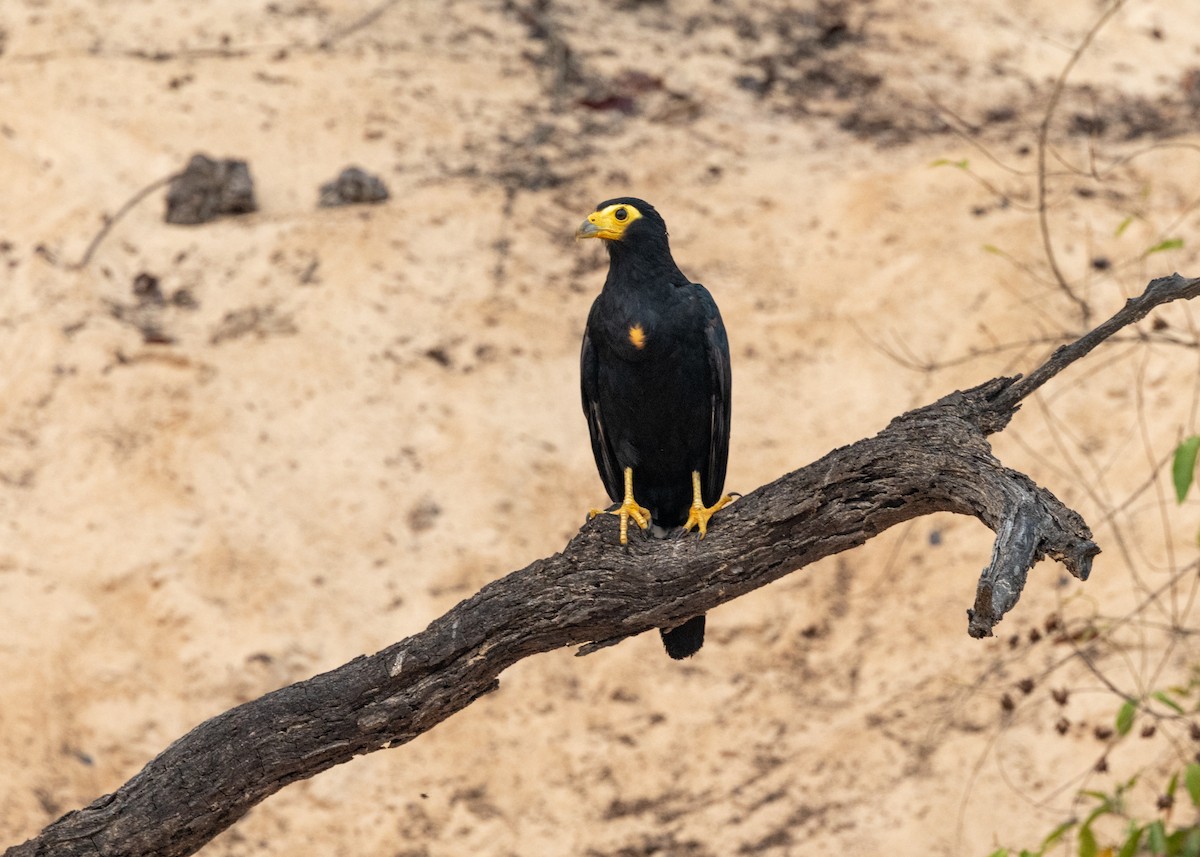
{"points": [[637, 336]]}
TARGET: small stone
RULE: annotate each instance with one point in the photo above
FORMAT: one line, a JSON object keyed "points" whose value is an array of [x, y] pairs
{"points": [[147, 290], [352, 187], [209, 189]]}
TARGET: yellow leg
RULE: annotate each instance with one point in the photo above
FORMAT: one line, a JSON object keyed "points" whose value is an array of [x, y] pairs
{"points": [[628, 509], [699, 515]]}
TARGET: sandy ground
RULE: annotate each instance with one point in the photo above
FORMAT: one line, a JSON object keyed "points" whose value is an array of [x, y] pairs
{"points": [[364, 414]]}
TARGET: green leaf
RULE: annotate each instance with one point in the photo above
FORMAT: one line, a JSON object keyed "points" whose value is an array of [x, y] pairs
{"points": [[999, 852], [1125, 716], [1166, 244], [993, 249], [1184, 842], [1167, 701], [1191, 843], [1057, 834], [1172, 785], [1105, 808], [946, 162], [1183, 468], [1191, 779], [1087, 842], [1124, 225], [1132, 841], [1156, 838]]}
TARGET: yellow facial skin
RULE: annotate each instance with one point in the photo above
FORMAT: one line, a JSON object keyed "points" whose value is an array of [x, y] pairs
{"points": [[608, 223]]}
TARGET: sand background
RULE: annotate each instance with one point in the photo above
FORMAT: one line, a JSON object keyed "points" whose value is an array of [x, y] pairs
{"points": [[365, 414]]}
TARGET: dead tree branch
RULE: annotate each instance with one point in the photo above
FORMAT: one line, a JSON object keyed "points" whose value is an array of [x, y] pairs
{"points": [[933, 459]]}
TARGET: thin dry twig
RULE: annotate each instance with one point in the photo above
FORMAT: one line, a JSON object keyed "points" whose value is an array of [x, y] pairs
{"points": [[110, 222], [1085, 311], [360, 23]]}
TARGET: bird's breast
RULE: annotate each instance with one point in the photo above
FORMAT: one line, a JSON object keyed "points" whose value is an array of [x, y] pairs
{"points": [[632, 337], [642, 327]]}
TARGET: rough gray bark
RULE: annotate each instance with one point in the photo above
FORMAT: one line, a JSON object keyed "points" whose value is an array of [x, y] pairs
{"points": [[933, 459]]}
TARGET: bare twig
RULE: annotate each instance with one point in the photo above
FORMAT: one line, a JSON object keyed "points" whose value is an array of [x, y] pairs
{"points": [[1160, 291], [1043, 208], [358, 24], [110, 222]]}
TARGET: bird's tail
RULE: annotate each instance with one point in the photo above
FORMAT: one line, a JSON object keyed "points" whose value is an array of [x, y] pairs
{"points": [[686, 639]]}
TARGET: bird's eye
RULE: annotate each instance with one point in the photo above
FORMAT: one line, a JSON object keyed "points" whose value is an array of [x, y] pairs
{"points": [[620, 214]]}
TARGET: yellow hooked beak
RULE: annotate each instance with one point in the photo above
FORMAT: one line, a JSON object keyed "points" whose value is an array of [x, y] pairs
{"points": [[588, 229]]}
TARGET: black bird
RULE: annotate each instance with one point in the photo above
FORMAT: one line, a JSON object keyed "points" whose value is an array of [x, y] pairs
{"points": [[656, 386]]}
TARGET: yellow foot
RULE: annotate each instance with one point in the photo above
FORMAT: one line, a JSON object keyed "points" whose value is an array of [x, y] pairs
{"points": [[628, 509], [699, 515]]}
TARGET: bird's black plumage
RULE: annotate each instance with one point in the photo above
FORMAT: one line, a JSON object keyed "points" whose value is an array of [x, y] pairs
{"points": [[655, 379]]}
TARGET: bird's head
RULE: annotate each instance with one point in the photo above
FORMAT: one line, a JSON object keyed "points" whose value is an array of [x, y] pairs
{"points": [[624, 222]]}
